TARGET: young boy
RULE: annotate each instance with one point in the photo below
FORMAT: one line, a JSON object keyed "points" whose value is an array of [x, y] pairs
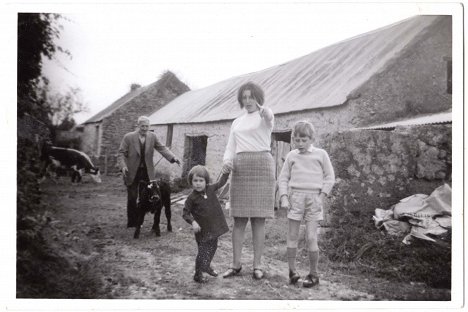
{"points": [[308, 176], [203, 211]]}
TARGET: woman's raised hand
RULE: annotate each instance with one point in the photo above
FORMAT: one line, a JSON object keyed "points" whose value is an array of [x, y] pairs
{"points": [[261, 110]]}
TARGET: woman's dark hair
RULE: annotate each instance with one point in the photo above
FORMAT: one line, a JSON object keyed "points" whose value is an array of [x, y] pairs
{"points": [[255, 90], [198, 171]]}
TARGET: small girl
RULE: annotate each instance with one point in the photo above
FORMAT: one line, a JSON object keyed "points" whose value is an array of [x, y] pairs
{"points": [[308, 175], [203, 211]]}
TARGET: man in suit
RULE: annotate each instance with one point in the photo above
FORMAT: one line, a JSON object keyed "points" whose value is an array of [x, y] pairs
{"points": [[136, 162]]}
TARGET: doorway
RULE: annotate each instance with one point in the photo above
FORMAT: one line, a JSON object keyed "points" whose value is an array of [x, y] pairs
{"points": [[194, 152]]}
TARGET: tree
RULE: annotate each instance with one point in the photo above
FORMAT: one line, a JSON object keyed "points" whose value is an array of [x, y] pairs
{"points": [[36, 38], [62, 107]]}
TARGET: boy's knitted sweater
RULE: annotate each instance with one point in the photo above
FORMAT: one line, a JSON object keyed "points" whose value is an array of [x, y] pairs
{"points": [[309, 171]]}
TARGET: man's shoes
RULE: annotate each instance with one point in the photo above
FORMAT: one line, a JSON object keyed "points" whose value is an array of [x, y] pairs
{"points": [[310, 281], [232, 272], [293, 277]]}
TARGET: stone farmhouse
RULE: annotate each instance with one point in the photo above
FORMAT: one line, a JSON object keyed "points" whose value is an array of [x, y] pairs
{"points": [[101, 134], [390, 75]]}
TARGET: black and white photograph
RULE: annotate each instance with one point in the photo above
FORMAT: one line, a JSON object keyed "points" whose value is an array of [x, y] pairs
{"points": [[209, 155]]}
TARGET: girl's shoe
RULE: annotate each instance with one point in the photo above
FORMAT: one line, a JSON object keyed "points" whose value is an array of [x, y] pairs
{"points": [[232, 272], [293, 277], [310, 280], [199, 278], [211, 272], [258, 274]]}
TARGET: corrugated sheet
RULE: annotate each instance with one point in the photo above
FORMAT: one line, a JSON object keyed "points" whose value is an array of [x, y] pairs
{"points": [[321, 79], [439, 118]]}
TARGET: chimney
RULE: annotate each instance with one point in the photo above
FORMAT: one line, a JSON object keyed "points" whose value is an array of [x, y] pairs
{"points": [[134, 86]]}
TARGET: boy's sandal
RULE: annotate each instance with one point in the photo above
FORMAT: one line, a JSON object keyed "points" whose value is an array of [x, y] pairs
{"points": [[293, 277], [258, 274], [232, 272], [310, 280]]}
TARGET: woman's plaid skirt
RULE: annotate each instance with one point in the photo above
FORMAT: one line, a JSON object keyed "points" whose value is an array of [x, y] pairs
{"points": [[253, 185]]}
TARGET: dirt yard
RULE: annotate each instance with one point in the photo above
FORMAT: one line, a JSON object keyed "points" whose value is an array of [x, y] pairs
{"points": [[88, 228]]}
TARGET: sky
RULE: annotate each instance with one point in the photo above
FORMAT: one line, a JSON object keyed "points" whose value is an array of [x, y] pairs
{"points": [[113, 46]]}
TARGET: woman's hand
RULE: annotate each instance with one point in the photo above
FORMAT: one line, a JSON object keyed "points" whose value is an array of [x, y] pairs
{"points": [[196, 227], [261, 110], [266, 114]]}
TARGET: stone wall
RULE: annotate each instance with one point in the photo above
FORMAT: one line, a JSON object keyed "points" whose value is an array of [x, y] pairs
{"points": [[375, 168]]}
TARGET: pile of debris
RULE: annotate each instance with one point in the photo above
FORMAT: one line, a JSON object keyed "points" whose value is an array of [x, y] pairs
{"points": [[419, 215]]}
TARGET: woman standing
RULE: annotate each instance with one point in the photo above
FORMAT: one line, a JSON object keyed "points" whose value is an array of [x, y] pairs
{"points": [[253, 181]]}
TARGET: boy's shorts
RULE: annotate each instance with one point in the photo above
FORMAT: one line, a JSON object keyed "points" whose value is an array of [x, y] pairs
{"points": [[305, 205]]}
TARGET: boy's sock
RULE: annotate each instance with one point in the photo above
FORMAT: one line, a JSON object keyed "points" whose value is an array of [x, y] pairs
{"points": [[313, 261], [292, 258]]}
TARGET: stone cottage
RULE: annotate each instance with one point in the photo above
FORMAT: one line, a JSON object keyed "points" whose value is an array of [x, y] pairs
{"points": [[102, 133], [391, 74]]}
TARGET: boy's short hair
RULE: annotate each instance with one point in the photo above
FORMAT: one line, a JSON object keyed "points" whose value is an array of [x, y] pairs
{"points": [[303, 128], [200, 171], [255, 90]]}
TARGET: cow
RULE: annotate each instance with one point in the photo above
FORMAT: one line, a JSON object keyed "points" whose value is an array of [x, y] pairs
{"points": [[152, 196], [59, 159]]}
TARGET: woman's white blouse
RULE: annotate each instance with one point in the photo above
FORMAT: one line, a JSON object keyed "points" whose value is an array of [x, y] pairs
{"points": [[250, 133]]}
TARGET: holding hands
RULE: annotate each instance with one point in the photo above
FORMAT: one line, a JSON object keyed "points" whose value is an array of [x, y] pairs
{"points": [[227, 167], [196, 227]]}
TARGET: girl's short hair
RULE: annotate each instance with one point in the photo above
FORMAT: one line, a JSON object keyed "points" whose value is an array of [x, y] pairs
{"points": [[200, 171], [255, 90], [303, 128]]}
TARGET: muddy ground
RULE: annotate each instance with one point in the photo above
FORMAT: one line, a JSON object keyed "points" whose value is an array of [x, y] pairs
{"points": [[87, 227]]}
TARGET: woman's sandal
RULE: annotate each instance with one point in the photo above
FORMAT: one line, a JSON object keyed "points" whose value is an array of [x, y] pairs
{"points": [[293, 277], [258, 274], [232, 272], [310, 280]]}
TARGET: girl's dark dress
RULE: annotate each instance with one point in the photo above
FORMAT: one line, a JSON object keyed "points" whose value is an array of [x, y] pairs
{"points": [[207, 212], [209, 215]]}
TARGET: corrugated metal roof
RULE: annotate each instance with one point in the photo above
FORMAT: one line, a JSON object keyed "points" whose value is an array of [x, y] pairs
{"points": [[439, 118], [321, 79]]}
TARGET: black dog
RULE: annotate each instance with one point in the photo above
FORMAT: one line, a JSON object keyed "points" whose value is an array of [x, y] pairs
{"points": [[152, 197]]}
